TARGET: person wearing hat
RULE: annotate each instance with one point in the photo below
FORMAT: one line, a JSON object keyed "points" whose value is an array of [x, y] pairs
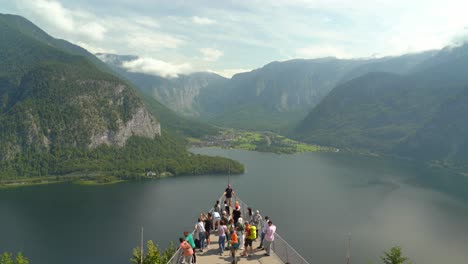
{"points": [[236, 214], [257, 219]]}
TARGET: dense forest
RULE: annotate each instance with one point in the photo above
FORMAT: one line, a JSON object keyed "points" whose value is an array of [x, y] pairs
{"points": [[63, 111]]}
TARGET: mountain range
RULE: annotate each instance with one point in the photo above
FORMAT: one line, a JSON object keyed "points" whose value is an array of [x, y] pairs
{"points": [[417, 115], [62, 110], [401, 106], [274, 97], [60, 104]]}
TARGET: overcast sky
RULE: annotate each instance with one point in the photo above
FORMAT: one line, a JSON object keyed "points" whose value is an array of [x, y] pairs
{"points": [[173, 36]]}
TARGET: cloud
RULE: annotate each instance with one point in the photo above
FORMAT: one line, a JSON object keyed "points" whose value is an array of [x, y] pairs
{"points": [[147, 22], [210, 54], [70, 21], [93, 49], [157, 67], [228, 73], [152, 41], [460, 38], [202, 20], [321, 51]]}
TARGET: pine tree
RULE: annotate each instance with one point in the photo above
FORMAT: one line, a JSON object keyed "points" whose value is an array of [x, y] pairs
{"points": [[394, 256]]}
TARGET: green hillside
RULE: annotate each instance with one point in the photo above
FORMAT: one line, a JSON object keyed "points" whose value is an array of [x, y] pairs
{"points": [[60, 113], [416, 115]]}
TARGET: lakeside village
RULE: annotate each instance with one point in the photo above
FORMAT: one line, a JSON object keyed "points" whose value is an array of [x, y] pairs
{"points": [[264, 141]]}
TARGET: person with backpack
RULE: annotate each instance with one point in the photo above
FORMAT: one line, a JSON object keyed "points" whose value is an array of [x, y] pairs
{"points": [[240, 232], [234, 245], [251, 233]]}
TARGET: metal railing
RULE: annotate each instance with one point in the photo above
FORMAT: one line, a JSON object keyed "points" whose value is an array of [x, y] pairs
{"points": [[285, 252], [282, 249], [177, 257]]}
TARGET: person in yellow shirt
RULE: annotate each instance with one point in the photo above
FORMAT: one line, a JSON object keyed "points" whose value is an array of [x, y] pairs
{"points": [[250, 235]]}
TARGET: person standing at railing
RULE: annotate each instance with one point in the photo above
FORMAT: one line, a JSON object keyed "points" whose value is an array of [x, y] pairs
{"points": [[227, 208], [189, 239], [236, 213], [250, 215], [229, 192], [208, 228], [264, 228], [257, 220], [217, 207], [216, 220], [240, 227], [187, 250], [269, 237], [200, 226]]}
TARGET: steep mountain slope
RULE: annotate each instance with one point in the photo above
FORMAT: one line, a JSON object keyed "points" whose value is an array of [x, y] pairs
{"points": [[445, 137], [60, 113], [383, 112], [276, 96], [180, 94], [27, 28], [282, 93]]}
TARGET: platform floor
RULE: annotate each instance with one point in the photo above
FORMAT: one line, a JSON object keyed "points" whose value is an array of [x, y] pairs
{"points": [[211, 255]]}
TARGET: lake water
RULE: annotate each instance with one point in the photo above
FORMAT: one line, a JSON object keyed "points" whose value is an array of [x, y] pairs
{"points": [[315, 199]]}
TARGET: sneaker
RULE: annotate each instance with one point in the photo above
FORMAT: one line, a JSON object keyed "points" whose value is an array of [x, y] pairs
{"points": [[266, 254], [259, 247]]}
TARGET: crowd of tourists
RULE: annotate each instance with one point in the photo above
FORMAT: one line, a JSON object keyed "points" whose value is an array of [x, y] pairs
{"points": [[235, 231]]}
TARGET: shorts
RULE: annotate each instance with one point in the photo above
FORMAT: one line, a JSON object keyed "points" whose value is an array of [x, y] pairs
{"points": [[248, 242]]}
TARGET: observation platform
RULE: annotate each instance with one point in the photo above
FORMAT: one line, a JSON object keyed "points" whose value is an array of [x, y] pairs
{"points": [[281, 253], [211, 255]]}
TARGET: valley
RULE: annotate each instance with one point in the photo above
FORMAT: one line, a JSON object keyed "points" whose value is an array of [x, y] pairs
{"points": [[257, 141]]}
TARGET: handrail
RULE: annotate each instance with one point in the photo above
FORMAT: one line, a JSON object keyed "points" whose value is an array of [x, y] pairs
{"points": [[283, 249], [178, 253]]}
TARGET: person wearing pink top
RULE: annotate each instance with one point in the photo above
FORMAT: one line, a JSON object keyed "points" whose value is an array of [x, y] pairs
{"points": [[187, 250], [269, 237], [222, 230]]}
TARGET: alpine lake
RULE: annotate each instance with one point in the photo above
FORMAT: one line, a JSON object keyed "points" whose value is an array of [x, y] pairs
{"points": [[316, 200]]}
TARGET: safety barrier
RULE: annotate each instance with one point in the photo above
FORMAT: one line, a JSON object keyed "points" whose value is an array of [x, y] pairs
{"points": [[282, 249]]}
